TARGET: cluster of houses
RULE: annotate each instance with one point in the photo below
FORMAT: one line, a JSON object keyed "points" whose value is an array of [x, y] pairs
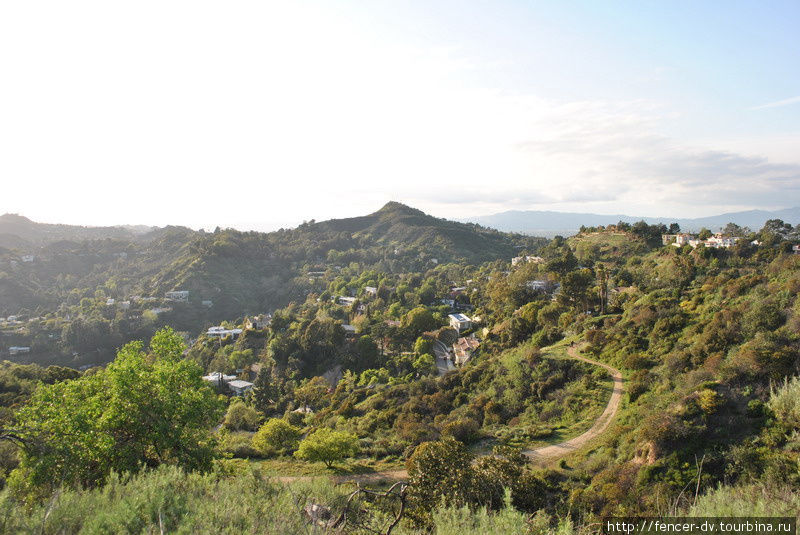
{"points": [[524, 259], [262, 321], [238, 387], [464, 347], [717, 241], [10, 321]]}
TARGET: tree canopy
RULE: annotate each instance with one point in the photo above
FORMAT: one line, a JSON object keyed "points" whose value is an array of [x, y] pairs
{"points": [[144, 409]]}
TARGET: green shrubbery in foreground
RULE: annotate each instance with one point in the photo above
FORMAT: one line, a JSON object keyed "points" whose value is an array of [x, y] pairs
{"points": [[169, 500]]}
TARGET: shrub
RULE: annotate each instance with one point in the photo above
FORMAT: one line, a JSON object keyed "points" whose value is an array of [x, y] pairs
{"points": [[465, 430], [328, 446], [276, 436], [240, 416]]}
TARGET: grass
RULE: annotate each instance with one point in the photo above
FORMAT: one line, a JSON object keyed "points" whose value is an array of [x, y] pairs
{"points": [[567, 427], [287, 466]]}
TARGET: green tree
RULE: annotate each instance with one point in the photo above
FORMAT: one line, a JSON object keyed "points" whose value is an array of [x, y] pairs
{"points": [[367, 351], [276, 436], [327, 446], [419, 320], [240, 416], [142, 410], [425, 364], [312, 393], [423, 345], [265, 391]]}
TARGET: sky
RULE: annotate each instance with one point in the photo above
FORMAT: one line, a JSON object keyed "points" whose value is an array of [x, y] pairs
{"points": [[260, 115]]}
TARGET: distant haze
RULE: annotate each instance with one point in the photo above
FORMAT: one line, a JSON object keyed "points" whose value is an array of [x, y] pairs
{"points": [[541, 223]]}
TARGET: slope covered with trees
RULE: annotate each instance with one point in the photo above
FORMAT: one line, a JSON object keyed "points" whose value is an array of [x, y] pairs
{"points": [[707, 340]]}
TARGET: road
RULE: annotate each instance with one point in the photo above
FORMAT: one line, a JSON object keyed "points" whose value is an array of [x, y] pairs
{"points": [[443, 363], [548, 453], [537, 455]]}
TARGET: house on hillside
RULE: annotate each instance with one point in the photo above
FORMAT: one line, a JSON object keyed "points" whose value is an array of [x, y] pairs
{"points": [[16, 350], [463, 349], [796, 249], [522, 259], [262, 321], [222, 332], [178, 296], [459, 322], [345, 300], [218, 378], [239, 387], [349, 330], [370, 290]]}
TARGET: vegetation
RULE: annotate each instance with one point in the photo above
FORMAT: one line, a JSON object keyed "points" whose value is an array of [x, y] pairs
{"points": [[349, 374]]}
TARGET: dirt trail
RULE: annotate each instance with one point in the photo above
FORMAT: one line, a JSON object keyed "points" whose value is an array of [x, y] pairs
{"points": [[538, 455], [547, 453]]}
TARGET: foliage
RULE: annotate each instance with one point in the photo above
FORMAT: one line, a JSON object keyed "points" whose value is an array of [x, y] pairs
{"points": [[144, 409], [241, 416], [277, 436], [327, 446]]}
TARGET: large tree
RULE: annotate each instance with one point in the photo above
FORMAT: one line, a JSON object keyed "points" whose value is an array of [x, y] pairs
{"points": [[145, 409]]}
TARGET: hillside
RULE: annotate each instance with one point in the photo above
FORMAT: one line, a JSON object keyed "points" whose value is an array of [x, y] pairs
{"points": [[19, 232], [228, 273]]}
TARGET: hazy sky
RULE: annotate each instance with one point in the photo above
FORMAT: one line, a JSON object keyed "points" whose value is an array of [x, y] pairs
{"points": [[264, 114]]}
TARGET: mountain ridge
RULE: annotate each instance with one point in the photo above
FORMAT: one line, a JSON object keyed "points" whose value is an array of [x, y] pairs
{"points": [[549, 223]]}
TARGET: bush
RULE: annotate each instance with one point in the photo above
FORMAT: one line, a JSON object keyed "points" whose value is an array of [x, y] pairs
{"points": [[241, 417], [464, 430], [276, 436], [328, 446]]}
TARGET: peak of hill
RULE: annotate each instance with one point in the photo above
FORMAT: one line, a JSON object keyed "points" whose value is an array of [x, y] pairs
{"points": [[398, 225]]}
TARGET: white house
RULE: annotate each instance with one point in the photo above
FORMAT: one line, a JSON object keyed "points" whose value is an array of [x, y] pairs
{"points": [[208, 303], [460, 322], [239, 387], [110, 301], [370, 290], [14, 350], [28, 258], [345, 300], [179, 296], [521, 259], [221, 332], [540, 285], [218, 378]]}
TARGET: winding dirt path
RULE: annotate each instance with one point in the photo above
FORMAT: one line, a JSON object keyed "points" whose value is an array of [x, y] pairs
{"points": [[537, 455], [547, 453]]}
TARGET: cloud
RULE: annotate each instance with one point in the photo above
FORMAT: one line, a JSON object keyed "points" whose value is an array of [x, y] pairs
{"points": [[778, 103]]}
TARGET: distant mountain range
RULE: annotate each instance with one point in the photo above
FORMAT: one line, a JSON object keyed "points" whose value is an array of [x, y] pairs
{"points": [[547, 223], [19, 232]]}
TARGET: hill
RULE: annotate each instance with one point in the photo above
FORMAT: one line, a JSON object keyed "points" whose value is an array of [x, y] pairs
{"points": [[19, 232], [547, 223], [228, 273]]}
